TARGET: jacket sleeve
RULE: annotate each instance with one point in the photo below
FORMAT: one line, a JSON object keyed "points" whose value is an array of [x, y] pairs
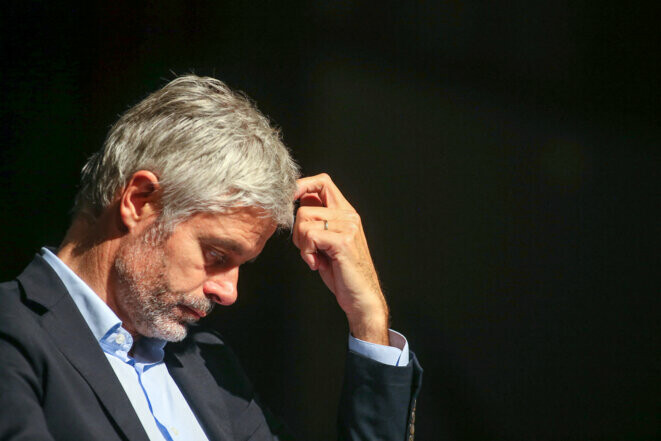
{"points": [[21, 415], [378, 401]]}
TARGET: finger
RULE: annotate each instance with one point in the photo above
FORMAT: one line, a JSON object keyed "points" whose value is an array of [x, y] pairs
{"points": [[311, 200], [321, 213], [315, 241], [337, 226], [320, 248], [311, 259], [316, 261], [325, 188], [308, 218]]}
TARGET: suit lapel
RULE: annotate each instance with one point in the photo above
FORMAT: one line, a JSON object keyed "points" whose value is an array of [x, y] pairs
{"points": [[69, 332], [198, 387]]}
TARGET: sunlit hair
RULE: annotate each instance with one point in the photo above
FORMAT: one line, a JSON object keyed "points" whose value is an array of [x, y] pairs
{"points": [[210, 147]]}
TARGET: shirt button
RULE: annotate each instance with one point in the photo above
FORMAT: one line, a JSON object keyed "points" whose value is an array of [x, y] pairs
{"points": [[120, 339]]}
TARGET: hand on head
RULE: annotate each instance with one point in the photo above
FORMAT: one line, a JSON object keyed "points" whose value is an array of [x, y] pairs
{"points": [[329, 233]]}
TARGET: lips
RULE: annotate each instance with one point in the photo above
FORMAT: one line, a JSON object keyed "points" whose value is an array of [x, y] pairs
{"points": [[198, 313]]}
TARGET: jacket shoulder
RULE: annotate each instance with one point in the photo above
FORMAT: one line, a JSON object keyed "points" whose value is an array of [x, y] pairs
{"points": [[18, 315]]}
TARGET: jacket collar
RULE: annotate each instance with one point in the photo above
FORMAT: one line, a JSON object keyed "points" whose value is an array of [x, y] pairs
{"points": [[71, 335], [197, 384]]}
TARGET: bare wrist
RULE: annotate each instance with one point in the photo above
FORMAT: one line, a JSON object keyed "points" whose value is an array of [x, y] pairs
{"points": [[371, 328]]}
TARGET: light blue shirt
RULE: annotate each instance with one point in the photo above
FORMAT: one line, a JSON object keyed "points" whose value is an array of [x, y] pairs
{"points": [[156, 398]]}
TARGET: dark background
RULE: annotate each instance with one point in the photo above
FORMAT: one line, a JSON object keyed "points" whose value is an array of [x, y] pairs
{"points": [[504, 160]]}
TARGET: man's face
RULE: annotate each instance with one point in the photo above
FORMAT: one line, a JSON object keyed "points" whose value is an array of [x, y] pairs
{"points": [[164, 284]]}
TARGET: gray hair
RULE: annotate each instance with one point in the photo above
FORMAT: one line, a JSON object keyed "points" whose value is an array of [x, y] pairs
{"points": [[210, 147]]}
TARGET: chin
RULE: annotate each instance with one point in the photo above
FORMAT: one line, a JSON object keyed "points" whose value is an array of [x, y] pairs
{"points": [[170, 331]]}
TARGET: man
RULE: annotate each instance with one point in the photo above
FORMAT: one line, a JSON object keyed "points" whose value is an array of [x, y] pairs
{"points": [[98, 338]]}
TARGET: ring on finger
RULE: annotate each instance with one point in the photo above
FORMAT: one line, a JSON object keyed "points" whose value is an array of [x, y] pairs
{"points": [[325, 224]]}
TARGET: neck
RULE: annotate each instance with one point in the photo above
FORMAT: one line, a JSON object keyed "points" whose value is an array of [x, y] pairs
{"points": [[90, 251]]}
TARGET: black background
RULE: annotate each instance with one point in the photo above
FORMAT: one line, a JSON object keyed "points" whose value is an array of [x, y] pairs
{"points": [[503, 158]]}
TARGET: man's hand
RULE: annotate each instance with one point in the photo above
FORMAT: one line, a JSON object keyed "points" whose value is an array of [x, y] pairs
{"points": [[330, 236]]}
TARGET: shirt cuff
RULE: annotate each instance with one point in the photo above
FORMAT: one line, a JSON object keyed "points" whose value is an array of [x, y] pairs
{"points": [[397, 354]]}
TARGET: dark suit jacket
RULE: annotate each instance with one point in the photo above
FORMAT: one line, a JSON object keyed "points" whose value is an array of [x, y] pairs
{"points": [[56, 383]]}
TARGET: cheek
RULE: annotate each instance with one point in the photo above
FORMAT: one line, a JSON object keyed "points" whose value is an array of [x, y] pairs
{"points": [[185, 275], [186, 280]]}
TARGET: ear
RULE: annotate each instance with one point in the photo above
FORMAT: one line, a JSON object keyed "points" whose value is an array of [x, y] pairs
{"points": [[138, 200]]}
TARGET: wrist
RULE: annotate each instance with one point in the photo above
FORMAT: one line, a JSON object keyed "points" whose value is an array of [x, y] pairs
{"points": [[370, 326]]}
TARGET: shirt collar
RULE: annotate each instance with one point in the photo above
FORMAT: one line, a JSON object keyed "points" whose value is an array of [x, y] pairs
{"points": [[101, 320]]}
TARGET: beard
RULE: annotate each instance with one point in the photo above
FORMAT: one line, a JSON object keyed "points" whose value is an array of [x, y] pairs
{"points": [[145, 294]]}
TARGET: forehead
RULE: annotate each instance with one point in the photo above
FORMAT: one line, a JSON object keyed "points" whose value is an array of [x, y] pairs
{"points": [[249, 227]]}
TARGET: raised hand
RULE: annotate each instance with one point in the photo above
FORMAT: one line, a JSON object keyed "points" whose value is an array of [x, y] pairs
{"points": [[329, 233]]}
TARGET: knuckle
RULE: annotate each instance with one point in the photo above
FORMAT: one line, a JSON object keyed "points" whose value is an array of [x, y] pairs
{"points": [[353, 217], [308, 234], [347, 240]]}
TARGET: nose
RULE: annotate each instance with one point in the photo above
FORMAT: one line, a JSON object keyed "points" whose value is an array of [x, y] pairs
{"points": [[221, 288]]}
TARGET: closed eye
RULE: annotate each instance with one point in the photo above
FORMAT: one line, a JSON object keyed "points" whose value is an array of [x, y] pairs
{"points": [[214, 257]]}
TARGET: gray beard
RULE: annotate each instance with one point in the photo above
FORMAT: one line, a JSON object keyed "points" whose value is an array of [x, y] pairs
{"points": [[145, 295]]}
